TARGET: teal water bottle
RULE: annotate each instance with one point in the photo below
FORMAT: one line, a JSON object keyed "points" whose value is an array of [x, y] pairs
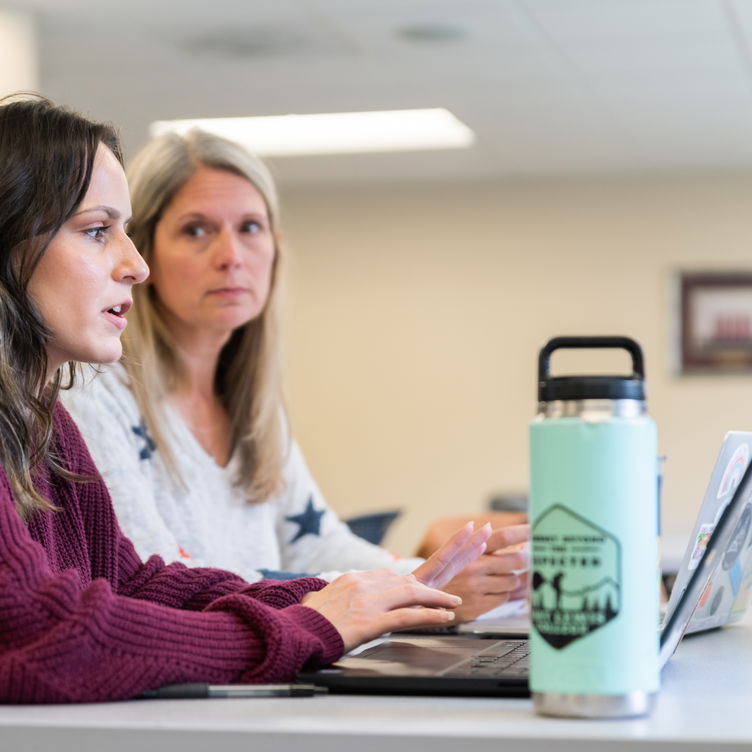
{"points": [[594, 513]]}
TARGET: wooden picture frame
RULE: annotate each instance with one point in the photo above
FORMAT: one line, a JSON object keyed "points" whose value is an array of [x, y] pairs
{"points": [[715, 321]]}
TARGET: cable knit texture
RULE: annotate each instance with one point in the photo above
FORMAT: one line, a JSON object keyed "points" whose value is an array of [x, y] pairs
{"points": [[82, 619]]}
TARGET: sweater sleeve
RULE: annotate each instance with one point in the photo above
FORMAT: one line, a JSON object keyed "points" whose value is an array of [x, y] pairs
{"points": [[127, 626]]}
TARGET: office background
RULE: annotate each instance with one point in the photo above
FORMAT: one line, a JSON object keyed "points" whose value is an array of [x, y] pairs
{"points": [[416, 316], [614, 149]]}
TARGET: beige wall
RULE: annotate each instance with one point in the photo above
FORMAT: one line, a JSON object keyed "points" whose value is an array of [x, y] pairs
{"points": [[415, 315]]}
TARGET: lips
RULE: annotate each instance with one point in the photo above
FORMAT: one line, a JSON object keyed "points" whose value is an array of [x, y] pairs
{"points": [[116, 314], [229, 294], [119, 309]]}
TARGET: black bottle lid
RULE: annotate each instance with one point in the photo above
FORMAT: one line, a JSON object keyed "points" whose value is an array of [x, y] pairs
{"points": [[551, 388]]}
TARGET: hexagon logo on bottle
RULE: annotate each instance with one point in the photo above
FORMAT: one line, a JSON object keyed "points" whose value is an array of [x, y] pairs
{"points": [[576, 576]]}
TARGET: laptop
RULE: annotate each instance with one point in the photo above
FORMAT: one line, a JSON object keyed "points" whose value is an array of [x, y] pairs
{"points": [[469, 665], [727, 593]]}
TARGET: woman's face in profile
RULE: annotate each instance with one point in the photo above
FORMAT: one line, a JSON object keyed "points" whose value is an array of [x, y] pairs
{"points": [[213, 255], [82, 284]]}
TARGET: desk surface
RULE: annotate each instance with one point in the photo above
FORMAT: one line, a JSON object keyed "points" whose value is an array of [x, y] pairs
{"points": [[705, 702]]}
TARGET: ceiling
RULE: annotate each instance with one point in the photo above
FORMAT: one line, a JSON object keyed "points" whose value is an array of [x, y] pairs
{"points": [[552, 88]]}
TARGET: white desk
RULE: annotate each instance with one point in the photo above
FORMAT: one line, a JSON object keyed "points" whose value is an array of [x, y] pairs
{"points": [[706, 703]]}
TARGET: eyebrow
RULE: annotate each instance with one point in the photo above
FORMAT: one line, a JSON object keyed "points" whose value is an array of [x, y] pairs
{"points": [[203, 215], [108, 210]]}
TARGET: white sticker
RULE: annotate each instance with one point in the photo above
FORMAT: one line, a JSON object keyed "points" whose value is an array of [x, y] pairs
{"points": [[734, 471]]}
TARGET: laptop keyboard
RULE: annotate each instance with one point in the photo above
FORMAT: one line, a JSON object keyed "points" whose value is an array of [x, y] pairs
{"points": [[508, 657]]}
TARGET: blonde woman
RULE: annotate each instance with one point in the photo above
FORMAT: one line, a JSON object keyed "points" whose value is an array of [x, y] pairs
{"points": [[190, 430]]}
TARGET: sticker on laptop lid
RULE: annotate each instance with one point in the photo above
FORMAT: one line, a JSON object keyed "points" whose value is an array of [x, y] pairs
{"points": [[701, 543], [734, 471]]}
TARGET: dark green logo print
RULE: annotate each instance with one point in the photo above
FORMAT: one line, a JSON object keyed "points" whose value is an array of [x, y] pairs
{"points": [[576, 580]]}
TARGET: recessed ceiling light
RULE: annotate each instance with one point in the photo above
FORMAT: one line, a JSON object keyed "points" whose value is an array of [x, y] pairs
{"points": [[335, 133]]}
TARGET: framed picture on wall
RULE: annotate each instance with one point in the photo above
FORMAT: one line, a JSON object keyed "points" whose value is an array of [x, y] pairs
{"points": [[715, 322]]}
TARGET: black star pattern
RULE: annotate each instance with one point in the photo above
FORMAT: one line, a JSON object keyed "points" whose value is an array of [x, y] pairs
{"points": [[149, 446], [308, 520]]}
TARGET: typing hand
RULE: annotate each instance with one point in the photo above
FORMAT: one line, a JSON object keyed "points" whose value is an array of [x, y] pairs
{"points": [[364, 605]]}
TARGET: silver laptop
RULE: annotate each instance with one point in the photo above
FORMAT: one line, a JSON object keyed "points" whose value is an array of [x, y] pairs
{"points": [[727, 594]]}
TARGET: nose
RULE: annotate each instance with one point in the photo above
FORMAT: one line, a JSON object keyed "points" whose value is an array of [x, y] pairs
{"points": [[132, 269], [227, 250]]}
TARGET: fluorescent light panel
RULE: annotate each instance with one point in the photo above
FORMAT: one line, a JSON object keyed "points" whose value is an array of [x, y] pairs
{"points": [[335, 133], [18, 52]]}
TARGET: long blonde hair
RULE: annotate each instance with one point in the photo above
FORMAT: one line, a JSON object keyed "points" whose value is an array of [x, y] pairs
{"points": [[248, 378]]}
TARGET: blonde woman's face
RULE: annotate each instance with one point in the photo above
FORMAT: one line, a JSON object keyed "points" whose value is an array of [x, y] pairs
{"points": [[211, 265]]}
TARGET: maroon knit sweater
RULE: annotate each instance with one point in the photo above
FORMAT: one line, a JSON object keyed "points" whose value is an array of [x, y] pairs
{"points": [[82, 619]]}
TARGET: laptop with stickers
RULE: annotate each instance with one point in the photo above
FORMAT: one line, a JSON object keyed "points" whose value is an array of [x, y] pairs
{"points": [[727, 593], [465, 664]]}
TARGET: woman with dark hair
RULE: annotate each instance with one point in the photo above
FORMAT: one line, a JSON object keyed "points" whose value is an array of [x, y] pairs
{"points": [[82, 618]]}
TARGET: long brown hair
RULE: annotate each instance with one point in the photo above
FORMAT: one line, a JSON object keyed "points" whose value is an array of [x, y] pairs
{"points": [[248, 378], [46, 161]]}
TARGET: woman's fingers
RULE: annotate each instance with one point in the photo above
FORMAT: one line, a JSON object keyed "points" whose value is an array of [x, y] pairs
{"points": [[490, 573], [361, 605], [464, 548], [460, 550], [409, 592], [452, 547], [410, 618], [521, 592], [511, 535], [513, 561], [500, 584]]}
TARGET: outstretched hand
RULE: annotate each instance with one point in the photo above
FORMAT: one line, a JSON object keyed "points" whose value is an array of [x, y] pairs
{"points": [[464, 547], [442, 528], [498, 576]]}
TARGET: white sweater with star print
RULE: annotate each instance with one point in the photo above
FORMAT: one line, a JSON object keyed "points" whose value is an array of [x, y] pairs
{"points": [[208, 523]]}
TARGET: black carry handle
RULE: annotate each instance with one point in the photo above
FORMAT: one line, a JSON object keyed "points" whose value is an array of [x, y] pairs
{"points": [[559, 343]]}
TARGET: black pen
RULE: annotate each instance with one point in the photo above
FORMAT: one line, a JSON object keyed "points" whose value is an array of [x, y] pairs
{"points": [[198, 690]]}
